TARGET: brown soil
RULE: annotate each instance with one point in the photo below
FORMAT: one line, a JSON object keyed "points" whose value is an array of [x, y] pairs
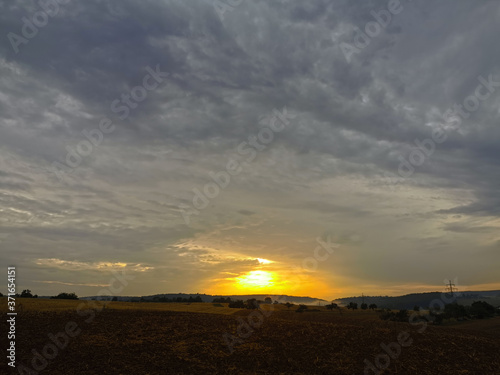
{"points": [[166, 342]]}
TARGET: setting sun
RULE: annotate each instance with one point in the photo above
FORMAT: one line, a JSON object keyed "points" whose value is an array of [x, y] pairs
{"points": [[255, 279]]}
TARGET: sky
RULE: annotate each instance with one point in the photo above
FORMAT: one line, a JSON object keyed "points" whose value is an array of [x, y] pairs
{"points": [[324, 149]]}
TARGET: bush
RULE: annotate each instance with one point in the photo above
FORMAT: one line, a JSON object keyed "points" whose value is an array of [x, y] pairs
{"points": [[331, 306], [301, 308], [386, 315], [239, 304], [481, 309], [352, 305], [437, 319], [455, 311], [288, 305], [400, 316], [252, 304], [65, 296]]}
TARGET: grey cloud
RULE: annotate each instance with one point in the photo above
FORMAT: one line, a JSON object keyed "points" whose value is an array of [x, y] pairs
{"points": [[354, 120]]}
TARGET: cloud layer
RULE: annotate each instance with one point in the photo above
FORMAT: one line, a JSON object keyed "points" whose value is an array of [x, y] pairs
{"points": [[324, 175]]}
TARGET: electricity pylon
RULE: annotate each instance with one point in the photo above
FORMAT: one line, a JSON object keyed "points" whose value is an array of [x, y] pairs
{"points": [[450, 287]]}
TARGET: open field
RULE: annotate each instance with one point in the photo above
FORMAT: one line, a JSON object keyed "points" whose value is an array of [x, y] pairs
{"points": [[38, 304], [485, 327], [148, 338]]}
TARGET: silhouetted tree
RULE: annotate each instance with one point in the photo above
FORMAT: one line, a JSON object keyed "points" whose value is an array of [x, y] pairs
{"points": [[288, 305], [352, 305], [364, 306], [268, 300], [331, 306], [372, 306], [26, 293]]}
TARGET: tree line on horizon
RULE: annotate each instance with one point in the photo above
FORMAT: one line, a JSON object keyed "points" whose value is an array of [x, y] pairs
{"points": [[26, 293], [171, 300], [450, 312]]}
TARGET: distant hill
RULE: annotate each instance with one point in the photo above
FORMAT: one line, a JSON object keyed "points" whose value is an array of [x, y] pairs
{"points": [[408, 301], [423, 300], [210, 298]]}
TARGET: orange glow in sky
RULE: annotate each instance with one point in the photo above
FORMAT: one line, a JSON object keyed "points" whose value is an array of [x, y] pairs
{"points": [[269, 281]]}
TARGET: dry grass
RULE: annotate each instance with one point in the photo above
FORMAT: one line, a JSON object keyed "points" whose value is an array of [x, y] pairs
{"points": [[40, 304]]}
